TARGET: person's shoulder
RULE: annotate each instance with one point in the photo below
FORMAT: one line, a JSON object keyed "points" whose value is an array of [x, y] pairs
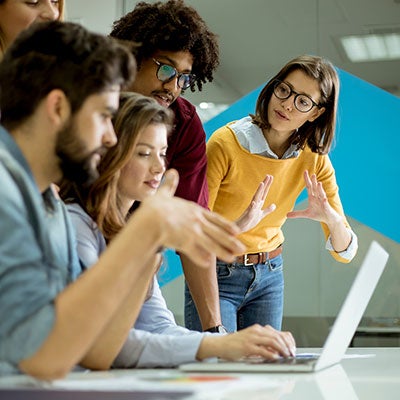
{"points": [[76, 210], [307, 152], [15, 174], [187, 122], [82, 220], [6, 157], [183, 108], [9, 170], [225, 132], [244, 124]]}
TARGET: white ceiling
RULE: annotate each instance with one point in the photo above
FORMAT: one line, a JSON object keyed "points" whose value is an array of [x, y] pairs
{"points": [[258, 36]]}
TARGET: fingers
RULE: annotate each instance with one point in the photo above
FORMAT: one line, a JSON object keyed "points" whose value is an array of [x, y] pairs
{"points": [[272, 343], [311, 182], [258, 341], [254, 213], [289, 342], [307, 178], [314, 187], [267, 184], [203, 257], [170, 182], [189, 228], [269, 209], [318, 208], [297, 214], [261, 195], [258, 196], [218, 221], [320, 191], [204, 250], [263, 189], [282, 343], [220, 238], [201, 234]]}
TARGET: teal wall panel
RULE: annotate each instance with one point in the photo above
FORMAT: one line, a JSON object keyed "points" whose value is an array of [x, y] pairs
{"points": [[366, 157]]}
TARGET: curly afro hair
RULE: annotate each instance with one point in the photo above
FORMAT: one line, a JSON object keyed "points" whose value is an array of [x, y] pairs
{"points": [[170, 26]]}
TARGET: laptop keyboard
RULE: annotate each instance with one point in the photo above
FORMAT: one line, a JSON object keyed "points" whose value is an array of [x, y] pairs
{"points": [[286, 361]]}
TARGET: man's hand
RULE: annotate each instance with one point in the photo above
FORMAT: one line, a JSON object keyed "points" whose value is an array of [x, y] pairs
{"points": [[189, 228]]}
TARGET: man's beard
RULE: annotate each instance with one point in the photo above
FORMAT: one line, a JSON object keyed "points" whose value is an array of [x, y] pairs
{"points": [[75, 162]]}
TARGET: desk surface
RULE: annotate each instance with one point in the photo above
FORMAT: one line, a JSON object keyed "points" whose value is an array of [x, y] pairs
{"points": [[364, 373]]}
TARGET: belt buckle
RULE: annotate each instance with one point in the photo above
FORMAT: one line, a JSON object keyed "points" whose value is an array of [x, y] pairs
{"points": [[246, 259]]}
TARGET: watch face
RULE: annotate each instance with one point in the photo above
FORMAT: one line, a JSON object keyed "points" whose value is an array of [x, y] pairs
{"points": [[221, 329]]}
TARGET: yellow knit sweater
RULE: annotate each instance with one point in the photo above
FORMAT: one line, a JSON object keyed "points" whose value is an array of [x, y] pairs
{"points": [[233, 177]]}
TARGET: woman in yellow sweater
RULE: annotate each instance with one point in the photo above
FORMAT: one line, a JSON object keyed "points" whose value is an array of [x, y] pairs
{"points": [[287, 141]]}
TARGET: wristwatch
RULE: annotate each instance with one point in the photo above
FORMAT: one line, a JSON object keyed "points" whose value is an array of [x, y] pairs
{"points": [[216, 329]]}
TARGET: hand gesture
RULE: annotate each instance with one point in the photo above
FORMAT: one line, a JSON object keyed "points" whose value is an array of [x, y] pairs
{"points": [[189, 228], [254, 212], [318, 208]]}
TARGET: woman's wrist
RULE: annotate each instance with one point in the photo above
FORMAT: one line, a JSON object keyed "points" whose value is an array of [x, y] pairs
{"points": [[210, 346], [335, 221]]}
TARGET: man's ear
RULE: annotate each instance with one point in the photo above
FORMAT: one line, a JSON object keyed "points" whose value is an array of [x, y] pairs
{"points": [[57, 107]]}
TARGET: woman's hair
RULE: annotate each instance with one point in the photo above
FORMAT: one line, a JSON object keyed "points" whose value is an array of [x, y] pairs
{"points": [[2, 44], [61, 8], [318, 134], [101, 200], [170, 26]]}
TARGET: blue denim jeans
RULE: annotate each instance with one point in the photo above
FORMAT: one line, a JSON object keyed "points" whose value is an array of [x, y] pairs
{"points": [[247, 294]]}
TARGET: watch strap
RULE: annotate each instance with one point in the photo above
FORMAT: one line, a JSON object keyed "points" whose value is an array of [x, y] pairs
{"points": [[216, 329]]}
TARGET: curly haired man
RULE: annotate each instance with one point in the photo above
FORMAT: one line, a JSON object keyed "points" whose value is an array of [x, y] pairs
{"points": [[176, 52]]}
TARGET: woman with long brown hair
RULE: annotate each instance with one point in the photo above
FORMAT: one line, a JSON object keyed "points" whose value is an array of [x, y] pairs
{"points": [[131, 171]]}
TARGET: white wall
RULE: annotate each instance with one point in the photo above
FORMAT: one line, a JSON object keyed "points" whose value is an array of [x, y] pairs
{"points": [[95, 15]]}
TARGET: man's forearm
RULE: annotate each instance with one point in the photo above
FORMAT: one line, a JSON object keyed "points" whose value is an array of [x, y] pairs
{"points": [[112, 338], [203, 286]]}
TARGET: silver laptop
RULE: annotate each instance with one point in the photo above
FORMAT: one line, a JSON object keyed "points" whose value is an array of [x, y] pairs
{"points": [[339, 336]]}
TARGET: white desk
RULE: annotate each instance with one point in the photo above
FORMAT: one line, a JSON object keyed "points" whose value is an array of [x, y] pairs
{"points": [[358, 376]]}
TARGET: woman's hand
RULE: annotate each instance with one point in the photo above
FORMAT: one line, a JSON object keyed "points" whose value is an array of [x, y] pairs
{"points": [[318, 208], [254, 341], [254, 212]]}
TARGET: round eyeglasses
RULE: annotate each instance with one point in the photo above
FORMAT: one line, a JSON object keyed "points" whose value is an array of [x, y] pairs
{"points": [[165, 73], [302, 102]]}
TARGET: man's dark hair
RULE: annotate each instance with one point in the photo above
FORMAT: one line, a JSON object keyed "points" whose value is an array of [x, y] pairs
{"points": [[57, 55], [171, 26]]}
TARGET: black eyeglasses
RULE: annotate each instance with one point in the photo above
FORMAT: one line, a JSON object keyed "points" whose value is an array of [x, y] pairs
{"points": [[165, 73], [302, 102]]}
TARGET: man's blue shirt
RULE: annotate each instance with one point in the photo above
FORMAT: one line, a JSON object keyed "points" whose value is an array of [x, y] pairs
{"points": [[38, 257]]}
